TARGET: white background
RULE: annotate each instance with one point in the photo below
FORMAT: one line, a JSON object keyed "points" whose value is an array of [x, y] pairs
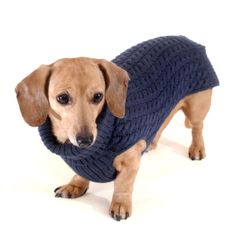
{"points": [[173, 196]]}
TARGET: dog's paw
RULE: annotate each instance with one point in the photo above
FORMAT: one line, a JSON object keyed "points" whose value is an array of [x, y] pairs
{"points": [[70, 191], [196, 152], [120, 211]]}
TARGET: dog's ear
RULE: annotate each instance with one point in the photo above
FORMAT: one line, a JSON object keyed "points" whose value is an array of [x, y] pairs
{"points": [[32, 96], [116, 87]]}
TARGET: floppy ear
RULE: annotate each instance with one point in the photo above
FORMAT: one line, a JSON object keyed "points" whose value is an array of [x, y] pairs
{"points": [[117, 83], [32, 98]]}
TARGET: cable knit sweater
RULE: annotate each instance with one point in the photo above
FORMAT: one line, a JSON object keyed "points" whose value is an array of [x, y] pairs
{"points": [[163, 71]]}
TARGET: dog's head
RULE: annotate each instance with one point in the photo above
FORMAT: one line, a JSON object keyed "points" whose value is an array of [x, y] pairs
{"points": [[72, 92]]}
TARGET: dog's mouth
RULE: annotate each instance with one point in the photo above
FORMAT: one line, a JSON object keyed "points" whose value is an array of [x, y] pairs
{"points": [[80, 146], [67, 141]]}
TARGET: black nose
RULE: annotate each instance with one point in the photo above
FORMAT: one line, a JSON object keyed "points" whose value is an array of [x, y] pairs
{"points": [[84, 141]]}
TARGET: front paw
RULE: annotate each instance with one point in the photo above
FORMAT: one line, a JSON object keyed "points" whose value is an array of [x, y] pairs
{"points": [[120, 210], [196, 152], [70, 191]]}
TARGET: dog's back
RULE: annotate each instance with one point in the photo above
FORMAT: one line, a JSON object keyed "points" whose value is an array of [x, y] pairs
{"points": [[163, 71]]}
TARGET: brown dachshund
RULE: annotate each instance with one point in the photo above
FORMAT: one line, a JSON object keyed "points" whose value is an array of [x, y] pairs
{"points": [[73, 92]]}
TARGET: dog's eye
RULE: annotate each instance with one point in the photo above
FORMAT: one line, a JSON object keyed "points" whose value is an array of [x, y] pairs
{"points": [[63, 98], [97, 98]]}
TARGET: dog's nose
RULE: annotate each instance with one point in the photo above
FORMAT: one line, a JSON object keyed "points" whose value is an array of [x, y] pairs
{"points": [[84, 141]]}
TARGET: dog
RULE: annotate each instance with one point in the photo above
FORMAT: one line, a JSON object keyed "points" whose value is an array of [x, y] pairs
{"points": [[101, 116]]}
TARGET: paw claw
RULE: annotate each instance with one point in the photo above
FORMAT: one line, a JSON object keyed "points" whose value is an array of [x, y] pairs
{"points": [[191, 156], [112, 214], [58, 195], [118, 218], [55, 190]]}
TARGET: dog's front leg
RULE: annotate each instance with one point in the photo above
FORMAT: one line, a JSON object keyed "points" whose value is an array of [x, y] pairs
{"points": [[127, 165]]}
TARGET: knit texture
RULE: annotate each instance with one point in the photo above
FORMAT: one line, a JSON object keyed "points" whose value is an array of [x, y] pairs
{"points": [[163, 71]]}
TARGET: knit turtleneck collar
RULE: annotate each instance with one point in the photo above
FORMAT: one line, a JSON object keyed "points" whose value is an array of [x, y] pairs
{"points": [[105, 123]]}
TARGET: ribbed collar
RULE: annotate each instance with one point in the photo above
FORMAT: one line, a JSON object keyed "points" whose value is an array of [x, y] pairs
{"points": [[105, 123]]}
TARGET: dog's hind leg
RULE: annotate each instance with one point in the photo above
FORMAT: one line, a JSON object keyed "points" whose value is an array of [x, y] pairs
{"points": [[153, 144], [195, 108]]}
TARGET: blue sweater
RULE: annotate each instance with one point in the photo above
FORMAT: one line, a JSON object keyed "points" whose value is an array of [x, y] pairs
{"points": [[163, 71]]}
